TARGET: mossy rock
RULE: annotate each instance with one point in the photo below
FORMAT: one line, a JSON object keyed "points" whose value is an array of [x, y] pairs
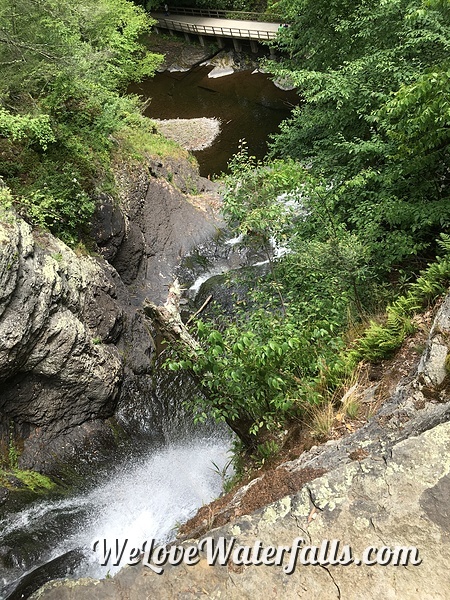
{"points": [[31, 480], [20, 487]]}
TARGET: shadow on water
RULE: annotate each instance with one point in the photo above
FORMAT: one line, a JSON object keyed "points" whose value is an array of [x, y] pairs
{"points": [[248, 105]]}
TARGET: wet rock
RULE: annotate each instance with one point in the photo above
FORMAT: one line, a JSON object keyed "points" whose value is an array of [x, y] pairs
{"points": [[162, 224], [60, 566], [4, 493], [130, 254], [226, 63], [75, 345], [108, 226], [185, 177]]}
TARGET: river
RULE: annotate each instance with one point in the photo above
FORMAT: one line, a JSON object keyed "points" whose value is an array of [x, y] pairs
{"points": [[248, 105], [146, 493]]}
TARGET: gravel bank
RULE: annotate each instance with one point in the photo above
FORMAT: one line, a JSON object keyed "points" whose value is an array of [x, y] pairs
{"points": [[192, 134]]}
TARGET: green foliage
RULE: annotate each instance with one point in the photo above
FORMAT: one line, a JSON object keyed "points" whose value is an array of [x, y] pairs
{"points": [[243, 377], [138, 139], [241, 5], [6, 200], [223, 473], [381, 340], [261, 368], [13, 454], [58, 204], [357, 188], [72, 46], [374, 124], [266, 451], [18, 127], [34, 481], [256, 196], [64, 69]]}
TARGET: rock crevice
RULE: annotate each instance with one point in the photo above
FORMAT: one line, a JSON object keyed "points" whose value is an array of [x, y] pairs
{"points": [[74, 341]]}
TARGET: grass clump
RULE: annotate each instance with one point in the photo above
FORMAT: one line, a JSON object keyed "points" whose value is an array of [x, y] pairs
{"points": [[320, 419], [140, 140]]}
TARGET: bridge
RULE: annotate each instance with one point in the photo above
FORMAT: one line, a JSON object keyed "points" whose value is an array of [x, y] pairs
{"points": [[216, 23]]}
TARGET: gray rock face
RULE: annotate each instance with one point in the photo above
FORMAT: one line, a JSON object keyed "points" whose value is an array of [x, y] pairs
{"points": [[433, 368], [108, 226], [55, 309], [160, 225], [74, 342], [385, 495]]}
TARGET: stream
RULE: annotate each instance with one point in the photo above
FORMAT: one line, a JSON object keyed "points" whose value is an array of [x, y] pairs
{"points": [[157, 484]]}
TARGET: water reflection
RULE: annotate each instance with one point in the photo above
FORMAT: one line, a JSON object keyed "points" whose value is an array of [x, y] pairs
{"points": [[247, 103]]}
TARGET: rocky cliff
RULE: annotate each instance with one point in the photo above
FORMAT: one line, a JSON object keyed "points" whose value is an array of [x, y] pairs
{"points": [[74, 343], [384, 487]]}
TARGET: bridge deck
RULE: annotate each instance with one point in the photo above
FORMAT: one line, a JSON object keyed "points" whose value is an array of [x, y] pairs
{"points": [[250, 30]]}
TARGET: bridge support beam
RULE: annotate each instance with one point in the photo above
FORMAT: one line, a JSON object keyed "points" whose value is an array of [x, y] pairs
{"points": [[186, 36], [237, 44], [220, 42], [201, 39], [254, 46]]}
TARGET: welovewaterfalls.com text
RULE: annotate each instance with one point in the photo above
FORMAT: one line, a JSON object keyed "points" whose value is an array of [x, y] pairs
{"points": [[223, 551]]}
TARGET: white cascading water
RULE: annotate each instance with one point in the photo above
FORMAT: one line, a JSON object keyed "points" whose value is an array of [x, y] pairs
{"points": [[226, 265], [146, 498]]}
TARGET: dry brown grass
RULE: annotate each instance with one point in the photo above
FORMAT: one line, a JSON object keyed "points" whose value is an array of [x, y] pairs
{"points": [[321, 419]]}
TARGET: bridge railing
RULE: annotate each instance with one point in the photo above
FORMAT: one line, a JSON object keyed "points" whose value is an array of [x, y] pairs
{"points": [[249, 34], [225, 14]]}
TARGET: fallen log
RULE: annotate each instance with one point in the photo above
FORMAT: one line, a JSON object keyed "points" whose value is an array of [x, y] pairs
{"points": [[168, 321]]}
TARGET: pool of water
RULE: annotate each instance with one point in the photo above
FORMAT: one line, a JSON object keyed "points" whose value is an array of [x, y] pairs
{"points": [[248, 105]]}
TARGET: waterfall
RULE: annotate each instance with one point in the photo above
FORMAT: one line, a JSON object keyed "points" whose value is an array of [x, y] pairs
{"points": [[144, 498]]}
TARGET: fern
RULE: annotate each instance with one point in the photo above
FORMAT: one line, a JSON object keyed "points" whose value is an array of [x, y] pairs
{"points": [[381, 340]]}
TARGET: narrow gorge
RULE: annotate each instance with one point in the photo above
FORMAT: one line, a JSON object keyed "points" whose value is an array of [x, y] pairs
{"points": [[224, 301], [84, 396]]}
